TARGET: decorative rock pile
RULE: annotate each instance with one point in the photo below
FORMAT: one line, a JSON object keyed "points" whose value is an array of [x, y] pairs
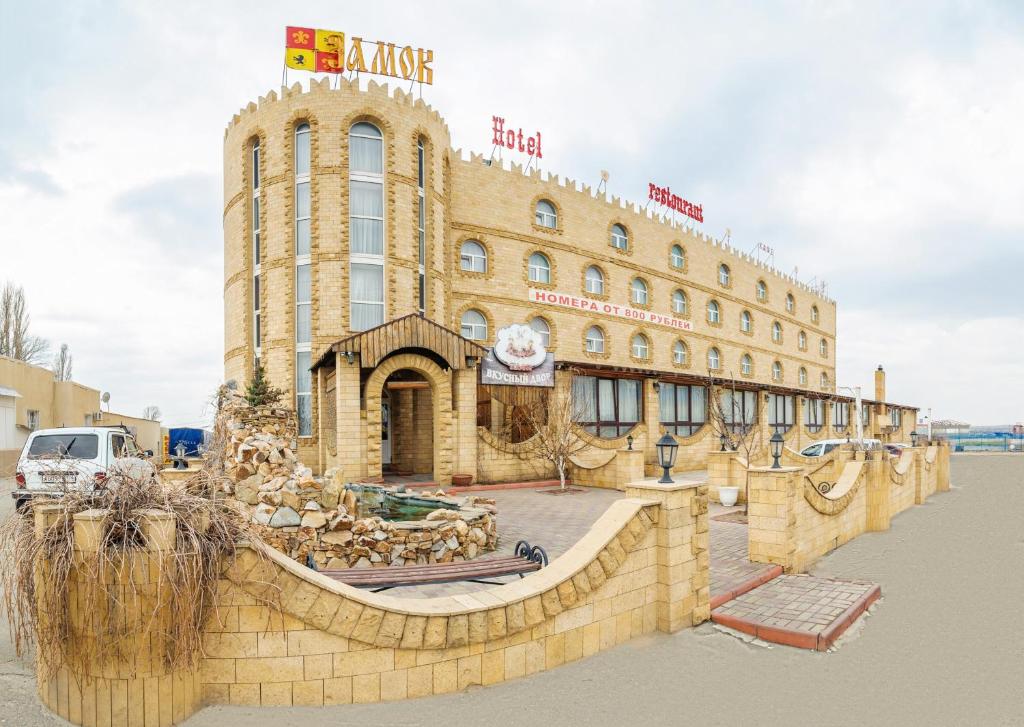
{"points": [[302, 515]]}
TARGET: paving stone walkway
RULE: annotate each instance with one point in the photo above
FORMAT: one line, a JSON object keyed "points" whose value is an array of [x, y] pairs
{"points": [[799, 610], [732, 573]]}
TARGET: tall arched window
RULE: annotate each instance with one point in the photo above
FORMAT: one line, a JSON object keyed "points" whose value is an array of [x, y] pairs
{"points": [[777, 332], [620, 240], [790, 303], [545, 214], [539, 268], [474, 325], [823, 347], [679, 353], [803, 376], [801, 341], [745, 321], [762, 291], [595, 340], [714, 359], [594, 280], [714, 313], [640, 346], [677, 258], [255, 168], [814, 314], [824, 380], [723, 275], [679, 304], [639, 291], [421, 224], [776, 371], [473, 257], [303, 283], [747, 365], [366, 226], [541, 327]]}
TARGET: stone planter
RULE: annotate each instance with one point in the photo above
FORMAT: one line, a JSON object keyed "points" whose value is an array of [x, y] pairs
{"points": [[728, 495], [462, 480]]}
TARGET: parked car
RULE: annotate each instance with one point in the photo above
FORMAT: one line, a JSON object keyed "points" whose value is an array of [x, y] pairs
{"points": [[76, 458], [895, 448], [819, 449]]}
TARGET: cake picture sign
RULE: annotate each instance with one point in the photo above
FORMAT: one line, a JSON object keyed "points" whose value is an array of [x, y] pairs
{"points": [[519, 358]]}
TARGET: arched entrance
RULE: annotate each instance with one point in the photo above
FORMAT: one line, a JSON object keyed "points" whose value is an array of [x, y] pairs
{"points": [[416, 396]]}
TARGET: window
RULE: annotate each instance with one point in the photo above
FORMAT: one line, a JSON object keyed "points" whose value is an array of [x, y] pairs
{"points": [[823, 347], [594, 280], [790, 303], [545, 215], [682, 409], [896, 415], [473, 257], [640, 346], [679, 353], [801, 341], [746, 365], [541, 326], [303, 283], [639, 291], [366, 226], [745, 322], [803, 376], [255, 162], [714, 359], [595, 340], [780, 412], [679, 304], [723, 275], [762, 291], [714, 314], [421, 227], [76, 446], [32, 419], [777, 332], [620, 240], [677, 257], [474, 325], [865, 414], [814, 314], [539, 268], [814, 414], [606, 407], [739, 409], [776, 371], [824, 380], [840, 414]]}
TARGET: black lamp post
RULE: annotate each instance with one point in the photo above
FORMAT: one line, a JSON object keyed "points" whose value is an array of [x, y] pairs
{"points": [[722, 439], [913, 438], [776, 443], [629, 442], [668, 448]]}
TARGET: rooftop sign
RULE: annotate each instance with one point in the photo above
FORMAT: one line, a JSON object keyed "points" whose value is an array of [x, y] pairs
{"points": [[325, 51], [663, 195]]}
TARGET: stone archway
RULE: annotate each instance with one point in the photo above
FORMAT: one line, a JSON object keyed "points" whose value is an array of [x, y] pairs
{"points": [[441, 398]]}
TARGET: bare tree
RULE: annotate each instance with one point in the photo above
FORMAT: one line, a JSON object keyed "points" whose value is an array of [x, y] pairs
{"points": [[152, 413], [545, 426], [15, 340], [62, 364], [729, 419]]}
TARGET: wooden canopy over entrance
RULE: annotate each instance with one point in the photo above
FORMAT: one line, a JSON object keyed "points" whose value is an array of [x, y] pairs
{"points": [[408, 332]]}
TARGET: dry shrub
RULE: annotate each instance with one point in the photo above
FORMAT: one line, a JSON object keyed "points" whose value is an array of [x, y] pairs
{"points": [[92, 609]]}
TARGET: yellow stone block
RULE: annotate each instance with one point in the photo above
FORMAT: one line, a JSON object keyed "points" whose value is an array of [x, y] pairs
{"points": [[394, 685], [318, 666], [469, 671], [554, 650], [338, 690], [515, 661], [276, 694], [365, 688], [492, 666], [247, 695], [270, 669], [308, 693], [420, 681], [446, 676]]}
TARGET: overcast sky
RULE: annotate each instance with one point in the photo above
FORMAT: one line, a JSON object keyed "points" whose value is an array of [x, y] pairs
{"points": [[876, 146]]}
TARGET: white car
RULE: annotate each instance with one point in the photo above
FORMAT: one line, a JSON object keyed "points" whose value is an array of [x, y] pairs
{"points": [[825, 446], [76, 458]]}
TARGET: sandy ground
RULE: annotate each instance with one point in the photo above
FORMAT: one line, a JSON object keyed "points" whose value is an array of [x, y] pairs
{"points": [[945, 646]]}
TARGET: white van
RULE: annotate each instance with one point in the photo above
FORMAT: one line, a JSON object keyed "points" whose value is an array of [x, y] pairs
{"points": [[825, 446], [80, 458]]}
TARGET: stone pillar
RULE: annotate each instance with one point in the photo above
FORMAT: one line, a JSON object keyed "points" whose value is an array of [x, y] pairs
{"points": [[942, 462], [464, 410], [878, 499], [403, 427], [135, 688], [321, 453], [348, 418], [772, 516], [684, 593], [629, 465], [919, 475]]}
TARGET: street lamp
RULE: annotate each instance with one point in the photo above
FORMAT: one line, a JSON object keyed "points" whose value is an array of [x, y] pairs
{"points": [[722, 440], [668, 448], [913, 438], [629, 442], [776, 443]]}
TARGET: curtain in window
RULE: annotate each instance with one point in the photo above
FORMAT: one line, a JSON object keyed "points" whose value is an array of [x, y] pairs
{"points": [[366, 155], [667, 403], [629, 401], [302, 153], [584, 403], [367, 201], [367, 296]]}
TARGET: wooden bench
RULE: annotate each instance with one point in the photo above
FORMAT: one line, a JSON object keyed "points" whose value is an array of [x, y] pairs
{"points": [[526, 559]]}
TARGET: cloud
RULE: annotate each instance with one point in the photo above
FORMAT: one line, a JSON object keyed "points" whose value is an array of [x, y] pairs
{"points": [[180, 212]]}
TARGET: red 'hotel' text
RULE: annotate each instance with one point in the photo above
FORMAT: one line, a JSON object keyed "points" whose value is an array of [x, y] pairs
{"points": [[609, 309]]}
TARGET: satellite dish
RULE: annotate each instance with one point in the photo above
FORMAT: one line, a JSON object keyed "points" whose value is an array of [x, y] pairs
{"points": [[106, 397], [604, 175]]}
